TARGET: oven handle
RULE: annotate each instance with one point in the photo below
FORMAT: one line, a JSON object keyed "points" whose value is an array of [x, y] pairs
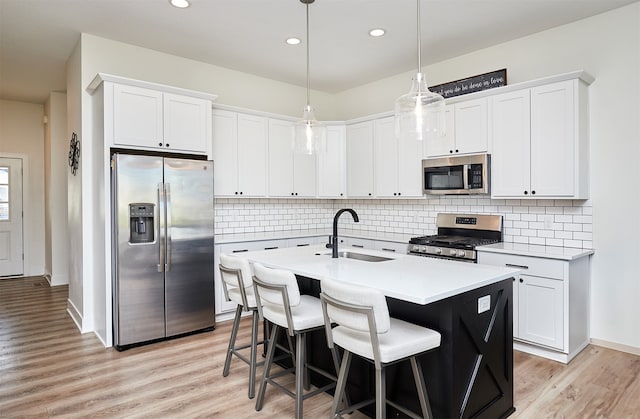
{"points": [[511, 265]]}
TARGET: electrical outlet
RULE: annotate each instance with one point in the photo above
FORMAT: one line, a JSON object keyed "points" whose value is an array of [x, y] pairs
{"points": [[484, 304]]}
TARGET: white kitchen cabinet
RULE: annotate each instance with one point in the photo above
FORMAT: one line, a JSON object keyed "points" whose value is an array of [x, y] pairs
{"points": [[360, 170], [222, 305], [152, 119], [290, 174], [239, 154], [332, 169], [551, 303], [540, 143], [398, 164], [469, 119]]}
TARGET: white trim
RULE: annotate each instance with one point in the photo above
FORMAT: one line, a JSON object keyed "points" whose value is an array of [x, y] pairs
{"points": [[75, 315], [545, 352], [26, 210], [102, 77], [634, 350]]}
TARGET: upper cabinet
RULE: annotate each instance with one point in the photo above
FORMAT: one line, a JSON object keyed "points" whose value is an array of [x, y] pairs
{"points": [[360, 160], [540, 142], [332, 178], [290, 174], [239, 154], [149, 116], [398, 164], [466, 130], [153, 119]]}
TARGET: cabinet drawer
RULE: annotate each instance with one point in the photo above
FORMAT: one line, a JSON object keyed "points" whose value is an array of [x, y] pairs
{"points": [[549, 268]]}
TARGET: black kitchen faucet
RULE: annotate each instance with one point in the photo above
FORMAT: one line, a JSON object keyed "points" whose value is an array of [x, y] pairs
{"points": [[334, 238]]}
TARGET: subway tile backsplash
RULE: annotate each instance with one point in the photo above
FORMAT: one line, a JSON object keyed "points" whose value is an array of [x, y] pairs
{"points": [[545, 222]]}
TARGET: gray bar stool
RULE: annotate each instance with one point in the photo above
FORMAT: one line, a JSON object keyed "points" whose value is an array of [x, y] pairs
{"points": [[279, 301], [237, 284], [363, 327]]}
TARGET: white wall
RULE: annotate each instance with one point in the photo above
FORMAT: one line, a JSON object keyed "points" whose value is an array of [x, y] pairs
{"points": [[22, 134], [56, 167], [74, 194], [608, 47]]}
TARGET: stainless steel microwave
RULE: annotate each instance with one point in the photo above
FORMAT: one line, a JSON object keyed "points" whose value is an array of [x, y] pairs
{"points": [[456, 175]]}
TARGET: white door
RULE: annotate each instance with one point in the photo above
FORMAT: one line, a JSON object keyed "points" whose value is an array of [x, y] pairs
{"points": [[11, 241]]}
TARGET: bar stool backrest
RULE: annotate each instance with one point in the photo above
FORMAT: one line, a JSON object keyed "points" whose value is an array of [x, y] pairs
{"points": [[356, 296], [277, 277], [236, 273]]}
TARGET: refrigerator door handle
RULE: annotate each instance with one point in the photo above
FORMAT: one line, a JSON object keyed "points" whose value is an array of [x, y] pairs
{"points": [[161, 213], [167, 193]]}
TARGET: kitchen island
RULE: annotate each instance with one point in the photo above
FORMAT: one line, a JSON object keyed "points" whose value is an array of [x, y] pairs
{"points": [[471, 373]]}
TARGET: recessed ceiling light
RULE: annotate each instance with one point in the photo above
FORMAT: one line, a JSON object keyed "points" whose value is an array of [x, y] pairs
{"points": [[376, 32], [293, 41], [181, 4]]}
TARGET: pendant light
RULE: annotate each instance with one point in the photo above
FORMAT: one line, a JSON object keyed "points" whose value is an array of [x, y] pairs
{"points": [[309, 134], [419, 114]]}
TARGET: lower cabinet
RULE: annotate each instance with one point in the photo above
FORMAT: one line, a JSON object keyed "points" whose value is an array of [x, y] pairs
{"points": [[550, 304]]}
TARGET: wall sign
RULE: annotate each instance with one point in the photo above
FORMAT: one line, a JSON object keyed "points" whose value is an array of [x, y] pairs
{"points": [[477, 83], [74, 153]]}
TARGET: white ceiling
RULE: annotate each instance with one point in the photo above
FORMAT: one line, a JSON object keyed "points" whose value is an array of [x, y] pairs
{"points": [[37, 36]]}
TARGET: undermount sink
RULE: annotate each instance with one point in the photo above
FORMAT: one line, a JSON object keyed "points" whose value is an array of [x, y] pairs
{"points": [[360, 256]]}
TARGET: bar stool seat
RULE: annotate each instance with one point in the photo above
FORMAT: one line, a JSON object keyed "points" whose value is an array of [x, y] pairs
{"points": [[279, 301], [237, 284], [364, 327]]}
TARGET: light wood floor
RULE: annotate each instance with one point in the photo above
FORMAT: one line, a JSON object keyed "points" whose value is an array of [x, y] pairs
{"points": [[48, 369]]}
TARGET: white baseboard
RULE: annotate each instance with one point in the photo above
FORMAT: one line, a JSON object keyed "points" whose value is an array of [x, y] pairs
{"points": [[55, 280], [617, 346], [75, 315]]}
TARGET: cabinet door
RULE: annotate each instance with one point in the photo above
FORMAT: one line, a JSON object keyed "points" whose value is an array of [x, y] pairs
{"points": [[252, 155], [225, 153], [410, 168], [304, 174], [187, 122], [510, 157], [385, 158], [280, 158], [444, 145], [553, 140], [541, 311], [137, 117], [331, 165], [471, 126], [360, 160]]}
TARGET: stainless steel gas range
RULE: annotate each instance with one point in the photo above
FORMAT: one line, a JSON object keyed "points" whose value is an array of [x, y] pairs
{"points": [[458, 236]]}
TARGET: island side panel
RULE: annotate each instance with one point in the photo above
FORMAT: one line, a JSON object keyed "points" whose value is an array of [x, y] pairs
{"points": [[471, 374]]}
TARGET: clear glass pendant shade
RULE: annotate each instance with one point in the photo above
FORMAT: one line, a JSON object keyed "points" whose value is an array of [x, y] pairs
{"points": [[310, 136], [420, 114]]}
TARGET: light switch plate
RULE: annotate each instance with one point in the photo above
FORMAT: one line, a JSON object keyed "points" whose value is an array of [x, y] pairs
{"points": [[484, 304]]}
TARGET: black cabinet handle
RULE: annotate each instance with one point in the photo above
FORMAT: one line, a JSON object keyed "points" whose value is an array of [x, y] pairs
{"points": [[270, 248], [451, 151], [526, 192], [457, 150], [369, 193], [388, 250], [511, 265], [240, 192], [160, 144], [166, 145], [236, 192], [521, 280], [394, 194], [302, 245], [239, 250], [359, 246], [533, 192], [399, 193], [341, 194]]}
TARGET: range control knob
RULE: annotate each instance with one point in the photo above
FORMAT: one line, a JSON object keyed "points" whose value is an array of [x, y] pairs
{"points": [[438, 251], [461, 253], [453, 252]]}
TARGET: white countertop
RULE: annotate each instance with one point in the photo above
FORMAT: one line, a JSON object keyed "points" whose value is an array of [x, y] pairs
{"points": [[415, 279], [549, 252]]}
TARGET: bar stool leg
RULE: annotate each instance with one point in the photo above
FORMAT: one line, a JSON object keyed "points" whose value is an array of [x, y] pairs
{"points": [[381, 394], [232, 340], [300, 372], [421, 387], [267, 366], [342, 381], [254, 350]]}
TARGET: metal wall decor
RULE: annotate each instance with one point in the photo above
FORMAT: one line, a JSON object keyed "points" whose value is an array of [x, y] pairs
{"points": [[74, 153]]}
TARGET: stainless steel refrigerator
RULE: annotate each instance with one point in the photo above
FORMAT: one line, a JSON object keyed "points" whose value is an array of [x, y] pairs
{"points": [[162, 213]]}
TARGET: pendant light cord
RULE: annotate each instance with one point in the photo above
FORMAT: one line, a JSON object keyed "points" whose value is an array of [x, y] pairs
{"points": [[419, 33], [308, 77]]}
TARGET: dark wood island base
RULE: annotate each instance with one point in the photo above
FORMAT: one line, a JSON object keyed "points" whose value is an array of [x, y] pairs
{"points": [[469, 376]]}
